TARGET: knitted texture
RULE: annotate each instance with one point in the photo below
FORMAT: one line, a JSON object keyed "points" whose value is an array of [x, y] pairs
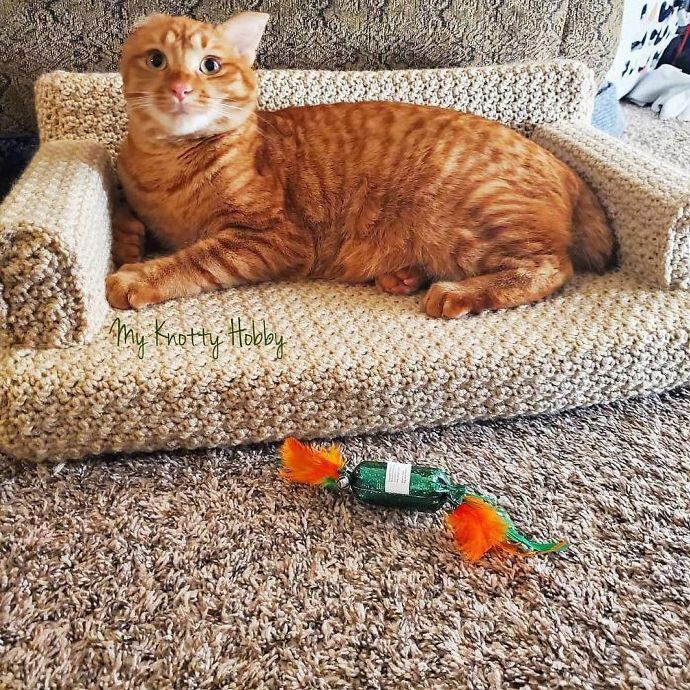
{"points": [[352, 360], [55, 247], [646, 200], [77, 106], [321, 359]]}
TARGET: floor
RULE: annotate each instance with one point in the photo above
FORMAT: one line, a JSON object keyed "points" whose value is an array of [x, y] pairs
{"points": [[204, 570]]}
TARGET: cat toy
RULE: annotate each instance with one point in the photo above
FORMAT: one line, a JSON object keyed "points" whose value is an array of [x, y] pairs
{"points": [[477, 523]]}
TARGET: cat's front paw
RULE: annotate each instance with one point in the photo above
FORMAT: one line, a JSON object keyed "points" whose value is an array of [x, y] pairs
{"points": [[128, 288], [448, 300]]}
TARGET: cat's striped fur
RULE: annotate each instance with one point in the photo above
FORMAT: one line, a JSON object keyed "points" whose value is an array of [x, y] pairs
{"points": [[403, 195]]}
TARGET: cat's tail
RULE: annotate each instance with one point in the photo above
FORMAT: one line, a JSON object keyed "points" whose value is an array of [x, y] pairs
{"points": [[593, 243]]}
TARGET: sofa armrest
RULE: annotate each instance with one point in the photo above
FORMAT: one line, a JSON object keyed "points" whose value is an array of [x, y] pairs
{"points": [[646, 200], [55, 238]]}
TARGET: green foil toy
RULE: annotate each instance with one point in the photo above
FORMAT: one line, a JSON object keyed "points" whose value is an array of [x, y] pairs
{"points": [[478, 524]]}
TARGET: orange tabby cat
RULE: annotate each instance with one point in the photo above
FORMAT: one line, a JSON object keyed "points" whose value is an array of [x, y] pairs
{"points": [[404, 195]]}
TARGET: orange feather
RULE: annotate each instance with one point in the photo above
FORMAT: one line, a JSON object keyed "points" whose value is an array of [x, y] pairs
{"points": [[477, 528], [306, 465]]}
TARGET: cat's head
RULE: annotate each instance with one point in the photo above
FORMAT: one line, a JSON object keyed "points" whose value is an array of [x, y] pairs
{"points": [[185, 78]]}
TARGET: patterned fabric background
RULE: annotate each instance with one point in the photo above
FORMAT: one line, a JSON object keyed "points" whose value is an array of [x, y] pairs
{"points": [[648, 26], [37, 36]]}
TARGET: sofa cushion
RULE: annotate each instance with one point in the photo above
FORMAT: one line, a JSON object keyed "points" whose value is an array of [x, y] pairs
{"points": [[342, 360]]}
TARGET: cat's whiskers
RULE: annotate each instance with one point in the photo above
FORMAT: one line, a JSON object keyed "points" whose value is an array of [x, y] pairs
{"points": [[258, 114], [226, 109], [143, 101]]}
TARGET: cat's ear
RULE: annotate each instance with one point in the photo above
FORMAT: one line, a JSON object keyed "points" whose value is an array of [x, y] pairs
{"points": [[244, 32]]}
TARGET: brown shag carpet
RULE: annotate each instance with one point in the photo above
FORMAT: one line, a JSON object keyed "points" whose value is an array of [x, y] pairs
{"points": [[204, 570]]}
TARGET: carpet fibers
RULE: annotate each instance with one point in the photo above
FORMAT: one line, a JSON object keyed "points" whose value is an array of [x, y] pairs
{"points": [[204, 570]]}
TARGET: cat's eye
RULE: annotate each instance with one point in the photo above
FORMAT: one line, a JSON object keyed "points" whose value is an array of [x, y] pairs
{"points": [[156, 60], [209, 65]]}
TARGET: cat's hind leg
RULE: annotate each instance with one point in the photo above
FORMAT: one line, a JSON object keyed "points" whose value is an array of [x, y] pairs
{"points": [[403, 282], [526, 281], [129, 236]]}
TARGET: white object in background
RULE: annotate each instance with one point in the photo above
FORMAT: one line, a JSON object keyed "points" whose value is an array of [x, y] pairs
{"points": [[668, 90], [648, 27]]}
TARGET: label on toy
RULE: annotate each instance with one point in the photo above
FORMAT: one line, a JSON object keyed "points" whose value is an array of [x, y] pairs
{"points": [[398, 478]]}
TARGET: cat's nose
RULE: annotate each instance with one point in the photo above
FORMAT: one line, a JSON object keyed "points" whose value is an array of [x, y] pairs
{"points": [[180, 90]]}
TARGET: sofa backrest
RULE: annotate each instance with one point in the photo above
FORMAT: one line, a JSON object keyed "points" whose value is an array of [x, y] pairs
{"points": [[41, 36], [91, 106]]}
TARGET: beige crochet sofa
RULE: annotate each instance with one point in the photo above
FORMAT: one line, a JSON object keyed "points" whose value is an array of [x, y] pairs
{"points": [[78, 378]]}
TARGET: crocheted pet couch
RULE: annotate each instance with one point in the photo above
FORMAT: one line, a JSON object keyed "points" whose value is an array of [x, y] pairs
{"points": [[318, 359]]}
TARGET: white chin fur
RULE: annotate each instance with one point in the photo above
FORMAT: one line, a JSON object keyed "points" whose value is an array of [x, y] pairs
{"points": [[196, 123], [186, 124]]}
